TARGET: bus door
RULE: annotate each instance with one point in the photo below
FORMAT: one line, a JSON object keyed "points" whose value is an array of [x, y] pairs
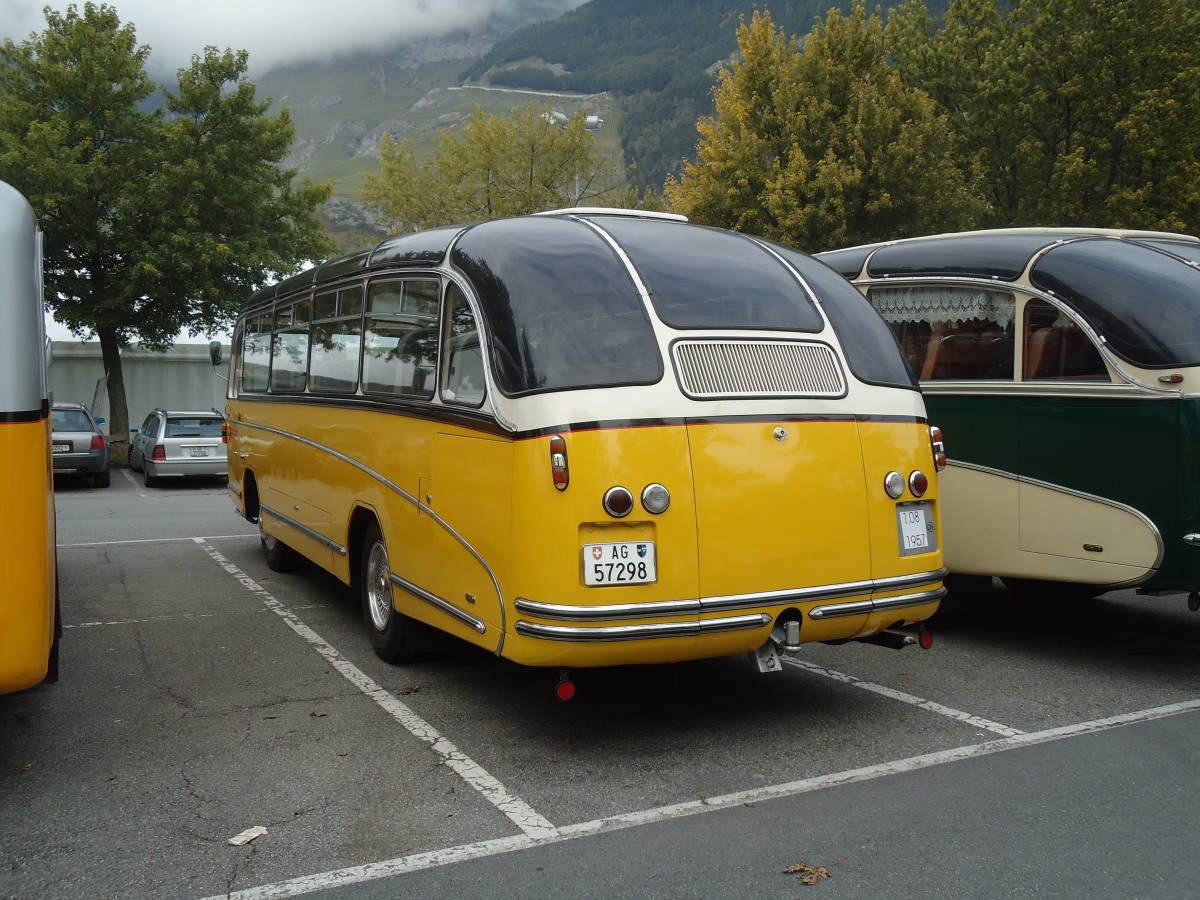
{"points": [[463, 528]]}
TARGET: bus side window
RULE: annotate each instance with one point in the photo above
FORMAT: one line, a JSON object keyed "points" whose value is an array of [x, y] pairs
{"points": [[462, 379], [949, 332], [334, 353], [256, 353], [1056, 348], [400, 345]]}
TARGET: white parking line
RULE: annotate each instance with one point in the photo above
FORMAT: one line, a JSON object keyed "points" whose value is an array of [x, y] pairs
{"points": [[321, 881], [947, 711], [140, 621], [525, 817], [191, 540]]}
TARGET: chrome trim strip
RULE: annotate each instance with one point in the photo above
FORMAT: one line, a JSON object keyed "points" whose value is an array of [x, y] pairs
{"points": [[436, 601], [727, 603], [1012, 476], [1192, 540], [421, 508], [640, 632], [860, 607], [614, 611], [304, 530]]}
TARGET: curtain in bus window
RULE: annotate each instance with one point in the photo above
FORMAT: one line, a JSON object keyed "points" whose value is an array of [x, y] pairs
{"points": [[951, 332], [333, 360]]}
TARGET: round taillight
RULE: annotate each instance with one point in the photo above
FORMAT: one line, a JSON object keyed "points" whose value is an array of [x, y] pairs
{"points": [[656, 499], [618, 502], [893, 483], [918, 483]]}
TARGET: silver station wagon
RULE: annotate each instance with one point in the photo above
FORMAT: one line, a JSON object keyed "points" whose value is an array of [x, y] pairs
{"points": [[178, 444]]}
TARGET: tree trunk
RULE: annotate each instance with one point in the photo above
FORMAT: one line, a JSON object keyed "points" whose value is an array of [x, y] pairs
{"points": [[118, 411]]}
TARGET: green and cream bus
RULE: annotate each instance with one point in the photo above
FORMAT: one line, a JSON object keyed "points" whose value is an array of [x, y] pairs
{"points": [[1064, 367]]}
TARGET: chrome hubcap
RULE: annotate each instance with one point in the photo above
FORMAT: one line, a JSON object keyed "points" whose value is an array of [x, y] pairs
{"points": [[379, 589]]}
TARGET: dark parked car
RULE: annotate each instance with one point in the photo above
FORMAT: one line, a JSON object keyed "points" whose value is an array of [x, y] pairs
{"points": [[178, 444], [79, 447]]}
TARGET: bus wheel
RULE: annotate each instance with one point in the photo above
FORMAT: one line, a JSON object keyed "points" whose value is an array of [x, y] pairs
{"points": [[385, 626], [280, 557]]}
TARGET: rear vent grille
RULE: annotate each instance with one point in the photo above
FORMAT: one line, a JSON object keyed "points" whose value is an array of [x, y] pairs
{"points": [[709, 370]]}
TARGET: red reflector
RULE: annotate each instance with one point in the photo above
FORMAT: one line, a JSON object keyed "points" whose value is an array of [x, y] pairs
{"points": [[159, 452], [565, 690], [918, 483], [925, 640], [97, 442]]}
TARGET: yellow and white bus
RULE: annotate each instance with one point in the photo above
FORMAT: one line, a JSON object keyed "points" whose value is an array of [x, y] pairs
{"points": [[590, 437], [29, 623]]}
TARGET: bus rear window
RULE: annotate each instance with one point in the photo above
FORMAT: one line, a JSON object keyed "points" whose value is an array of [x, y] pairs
{"points": [[560, 307], [704, 278]]}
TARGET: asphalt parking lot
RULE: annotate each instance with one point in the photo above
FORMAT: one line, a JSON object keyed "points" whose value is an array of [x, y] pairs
{"points": [[1036, 750]]}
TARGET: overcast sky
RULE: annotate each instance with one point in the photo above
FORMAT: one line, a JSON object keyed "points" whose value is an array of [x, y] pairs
{"points": [[275, 31]]}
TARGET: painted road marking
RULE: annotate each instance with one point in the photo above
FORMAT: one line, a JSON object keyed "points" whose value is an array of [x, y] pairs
{"points": [[323, 881], [525, 817], [947, 711]]}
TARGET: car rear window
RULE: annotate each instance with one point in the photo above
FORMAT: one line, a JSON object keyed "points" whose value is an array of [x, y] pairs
{"points": [[194, 427], [70, 420]]}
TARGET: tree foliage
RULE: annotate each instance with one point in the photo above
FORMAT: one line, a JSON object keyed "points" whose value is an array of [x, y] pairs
{"points": [[492, 167], [822, 145], [1073, 112], [156, 219]]}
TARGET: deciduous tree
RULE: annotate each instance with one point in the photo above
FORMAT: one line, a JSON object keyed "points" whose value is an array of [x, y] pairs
{"points": [[1074, 112], [822, 145], [490, 168], [156, 218]]}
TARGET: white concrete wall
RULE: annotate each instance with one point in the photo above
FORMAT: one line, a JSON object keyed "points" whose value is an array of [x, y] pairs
{"points": [[180, 378]]}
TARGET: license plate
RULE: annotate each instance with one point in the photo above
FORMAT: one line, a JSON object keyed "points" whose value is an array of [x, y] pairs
{"points": [[914, 522], [626, 562], [61, 448], [199, 451]]}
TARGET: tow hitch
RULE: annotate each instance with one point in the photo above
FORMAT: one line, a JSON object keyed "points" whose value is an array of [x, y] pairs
{"points": [[899, 638]]}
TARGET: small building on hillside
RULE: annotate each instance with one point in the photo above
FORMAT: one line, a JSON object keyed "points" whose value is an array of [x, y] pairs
{"points": [[182, 377]]}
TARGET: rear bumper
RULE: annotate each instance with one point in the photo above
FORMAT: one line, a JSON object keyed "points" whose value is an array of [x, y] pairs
{"points": [[876, 599], [67, 463], [183, 468]]}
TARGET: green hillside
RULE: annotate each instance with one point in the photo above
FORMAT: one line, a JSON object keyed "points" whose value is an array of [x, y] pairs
{"points": [[645, 69]]}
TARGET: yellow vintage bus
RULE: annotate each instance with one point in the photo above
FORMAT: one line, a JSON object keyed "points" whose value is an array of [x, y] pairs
{"points": [[589, 438], [29, 623]]}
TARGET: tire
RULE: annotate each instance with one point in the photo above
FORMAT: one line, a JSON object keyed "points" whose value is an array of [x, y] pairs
{"points": [[102, 479], [280, 557], [133, 465], [148, 479], [387, 628]]}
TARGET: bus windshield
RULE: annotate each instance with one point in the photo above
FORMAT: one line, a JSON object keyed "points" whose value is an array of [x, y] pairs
{"points": [[1145, 303]]}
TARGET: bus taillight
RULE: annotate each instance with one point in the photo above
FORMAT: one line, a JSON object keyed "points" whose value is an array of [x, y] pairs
{"points": [[939, 448]]}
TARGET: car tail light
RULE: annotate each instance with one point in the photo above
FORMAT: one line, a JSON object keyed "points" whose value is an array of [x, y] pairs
{"points": [[558, 462], [939, 448], [918, 483], [97, 442], [224, 432], [159, 454], [618, 502]]}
